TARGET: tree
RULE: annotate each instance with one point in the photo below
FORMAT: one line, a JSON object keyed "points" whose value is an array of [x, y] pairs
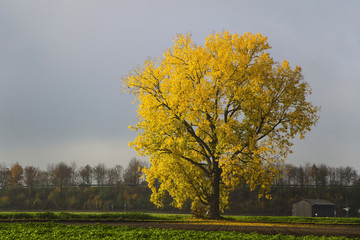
{"points": [[31, 176], [346, 175], [61, 175], [99, 173], [290, 174], [133, 172], [85, 175], [322, 176], [300, 176], [114, 175], [44, 177], [5, 175], [17, 172], [74, 174], [214, 117]]}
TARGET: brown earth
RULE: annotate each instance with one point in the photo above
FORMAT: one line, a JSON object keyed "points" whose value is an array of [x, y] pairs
{"points": [[352, 231]]}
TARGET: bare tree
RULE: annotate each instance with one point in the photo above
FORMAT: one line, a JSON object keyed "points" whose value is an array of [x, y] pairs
{"points": [[99, 173], [352, 175], [74, 174], [5, 175], [31, 176], [332, 176], [44, 177], [133, 172], [290, 174], [322, 176], [119, 173], [300, 176], [114, 175], [61, 175], [86, 175], [346, 175]]}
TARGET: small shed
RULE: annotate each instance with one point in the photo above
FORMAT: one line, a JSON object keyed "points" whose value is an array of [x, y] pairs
{"points": [[313, 208]]}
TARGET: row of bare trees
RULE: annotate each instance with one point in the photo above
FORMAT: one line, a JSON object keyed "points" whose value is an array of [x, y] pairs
{"points": [[318, 175], [62, 174]]}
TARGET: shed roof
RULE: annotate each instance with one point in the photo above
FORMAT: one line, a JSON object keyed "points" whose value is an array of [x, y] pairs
{"points": [[319, 202]]}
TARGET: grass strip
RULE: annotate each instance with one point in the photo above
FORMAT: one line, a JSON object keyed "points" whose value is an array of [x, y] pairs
{"points": [[128, 216], [90, 216]]}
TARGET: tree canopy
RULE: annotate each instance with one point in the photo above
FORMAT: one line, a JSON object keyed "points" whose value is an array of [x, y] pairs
{"points": [[216, 116]]}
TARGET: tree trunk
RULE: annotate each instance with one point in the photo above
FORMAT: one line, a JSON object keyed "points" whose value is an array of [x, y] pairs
{"points": [[214, 200]]}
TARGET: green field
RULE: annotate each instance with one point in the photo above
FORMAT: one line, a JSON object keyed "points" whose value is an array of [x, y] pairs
{"points": [[98, 231], [56, 225]]}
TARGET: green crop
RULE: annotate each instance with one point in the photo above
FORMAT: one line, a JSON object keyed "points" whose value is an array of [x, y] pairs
{"points": [[61, 231]]}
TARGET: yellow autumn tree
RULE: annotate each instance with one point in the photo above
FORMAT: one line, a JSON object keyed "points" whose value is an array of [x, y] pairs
{"points": [[217, 116]]}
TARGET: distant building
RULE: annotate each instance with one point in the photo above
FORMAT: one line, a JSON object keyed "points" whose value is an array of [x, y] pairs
{"points": [[313, 208]]}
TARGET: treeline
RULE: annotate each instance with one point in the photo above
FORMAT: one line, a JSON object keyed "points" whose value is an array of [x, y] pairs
{"points": [[64, 175], [318, 175], [65, 187]]}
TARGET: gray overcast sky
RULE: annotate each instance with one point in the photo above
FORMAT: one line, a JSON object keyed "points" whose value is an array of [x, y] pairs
{"points": [[61, 64]]}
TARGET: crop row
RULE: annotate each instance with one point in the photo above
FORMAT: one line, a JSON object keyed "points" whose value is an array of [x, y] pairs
{"points": [[60, 231]]}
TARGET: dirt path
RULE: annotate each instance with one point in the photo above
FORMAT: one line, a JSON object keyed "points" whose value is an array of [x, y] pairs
{"points": [[352, 231]]}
